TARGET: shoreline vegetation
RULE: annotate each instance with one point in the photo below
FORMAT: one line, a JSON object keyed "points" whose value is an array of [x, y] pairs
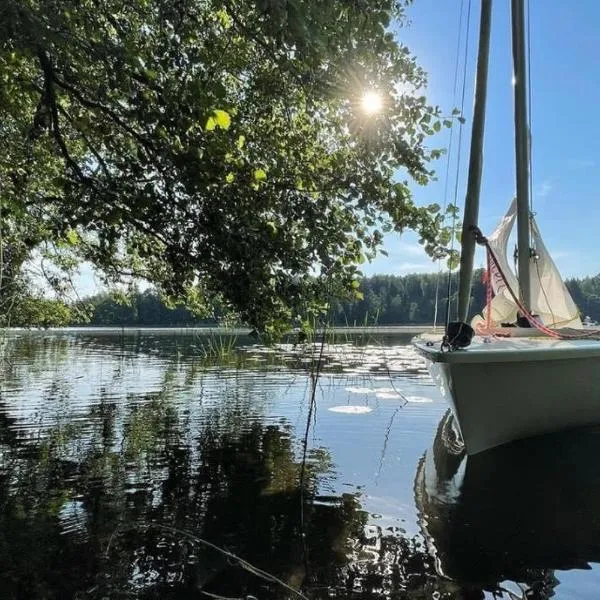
{"points": [[384, 301], [226, 330]]}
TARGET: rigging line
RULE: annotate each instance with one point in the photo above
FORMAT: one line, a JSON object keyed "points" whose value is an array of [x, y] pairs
{"points": [[537, 268], [460, 132], [529, 118], [449, 155], [530, 139]]}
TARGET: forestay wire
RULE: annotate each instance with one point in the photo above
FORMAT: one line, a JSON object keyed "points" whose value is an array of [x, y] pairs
{"points": [[530, 165], [450, 148], [458, 153], [529, 117], [448, 158]]}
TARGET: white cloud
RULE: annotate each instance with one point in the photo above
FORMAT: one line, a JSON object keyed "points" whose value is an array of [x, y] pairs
{"points": [[403, 251], [411, 249], [417, 267], [558, 255], [543, 189]]}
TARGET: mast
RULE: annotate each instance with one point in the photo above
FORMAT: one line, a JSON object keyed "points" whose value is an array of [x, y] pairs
{"points": [[475, 163], [521, 150]]}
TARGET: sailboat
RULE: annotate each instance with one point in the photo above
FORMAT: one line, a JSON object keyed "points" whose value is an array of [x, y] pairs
{"points": [[526, 366]]}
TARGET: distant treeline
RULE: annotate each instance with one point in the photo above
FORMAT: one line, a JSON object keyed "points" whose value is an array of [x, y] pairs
{"points": [[393, 299], [135, 309], [396, 299], [387, 300]]}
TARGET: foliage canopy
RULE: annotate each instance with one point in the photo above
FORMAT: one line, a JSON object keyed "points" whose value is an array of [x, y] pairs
{"points": [[215, 148]]}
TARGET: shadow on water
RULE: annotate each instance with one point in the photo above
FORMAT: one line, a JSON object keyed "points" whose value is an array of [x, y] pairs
{"points": [[94, 502], [517, 513]]}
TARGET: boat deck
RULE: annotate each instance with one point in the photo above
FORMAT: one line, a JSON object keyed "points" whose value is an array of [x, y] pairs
{"points": [[507, 349]]}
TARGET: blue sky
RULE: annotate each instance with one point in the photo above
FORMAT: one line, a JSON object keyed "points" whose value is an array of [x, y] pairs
{"points": [[565, 77]]}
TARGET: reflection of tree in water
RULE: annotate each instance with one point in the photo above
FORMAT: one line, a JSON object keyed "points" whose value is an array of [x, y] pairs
{"points": [[77, 508], [81, 501]]}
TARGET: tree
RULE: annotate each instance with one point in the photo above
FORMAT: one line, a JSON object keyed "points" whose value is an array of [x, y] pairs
{"points": [[37, 311], [136, 308], [215, 148]]}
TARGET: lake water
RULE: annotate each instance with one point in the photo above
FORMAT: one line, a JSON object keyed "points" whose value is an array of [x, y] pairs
{"points": [[170, 465]]}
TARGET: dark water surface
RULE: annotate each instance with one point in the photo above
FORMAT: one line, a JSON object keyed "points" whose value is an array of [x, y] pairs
{"points": [[121, 452]]}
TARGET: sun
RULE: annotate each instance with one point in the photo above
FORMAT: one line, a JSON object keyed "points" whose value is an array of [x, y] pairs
{"points": [[372, 103]]}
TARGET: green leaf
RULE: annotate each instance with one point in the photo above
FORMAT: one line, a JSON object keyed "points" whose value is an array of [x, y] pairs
{"points": [[260, 174], [72, 237], [222, 118], [224, 18], [211, 123], [453, 261], [219, 118], [271, 227]]}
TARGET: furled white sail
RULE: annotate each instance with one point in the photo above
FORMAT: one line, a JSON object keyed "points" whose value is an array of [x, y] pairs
{"points": [[550, 299]]}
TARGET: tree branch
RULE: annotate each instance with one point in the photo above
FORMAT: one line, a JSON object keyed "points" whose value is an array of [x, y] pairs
{"points": [[50, 101], [107, 111], [88, 143], [255, 36]]}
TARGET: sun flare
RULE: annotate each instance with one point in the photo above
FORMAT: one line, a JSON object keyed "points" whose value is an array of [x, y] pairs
{"points": [[372, 103]]}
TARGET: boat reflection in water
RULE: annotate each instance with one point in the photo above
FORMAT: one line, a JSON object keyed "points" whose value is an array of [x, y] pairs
{"points": [[516, 513]]}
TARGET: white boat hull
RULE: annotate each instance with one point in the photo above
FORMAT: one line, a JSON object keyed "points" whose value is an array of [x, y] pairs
{"points": [[506, 390]]}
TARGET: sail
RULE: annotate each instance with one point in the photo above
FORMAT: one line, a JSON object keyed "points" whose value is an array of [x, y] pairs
{"points": [[550, 299], [549, 295]]}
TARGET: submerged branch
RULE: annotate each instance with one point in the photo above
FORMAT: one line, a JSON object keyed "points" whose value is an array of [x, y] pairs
{"points": [[236, 559]]}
